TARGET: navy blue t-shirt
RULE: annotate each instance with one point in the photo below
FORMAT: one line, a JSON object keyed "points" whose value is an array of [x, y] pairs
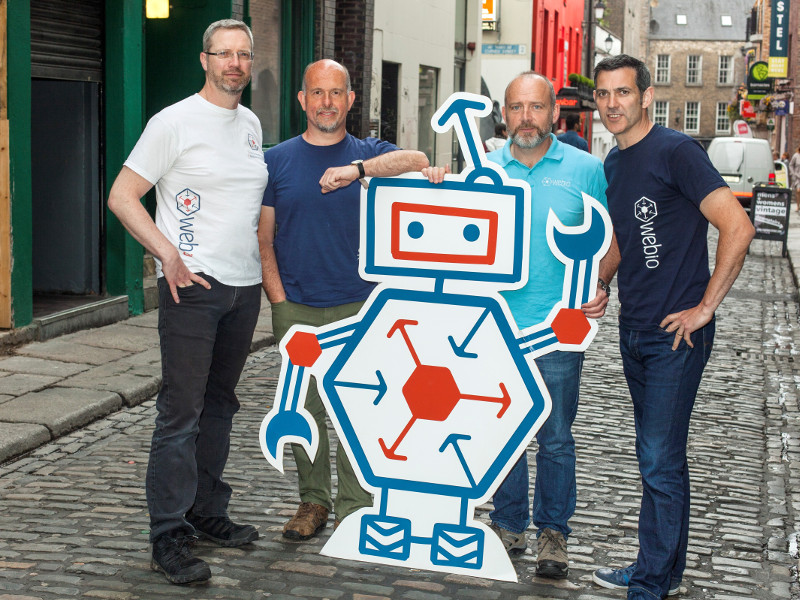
{"points": [[316, 244], [654, 192]]}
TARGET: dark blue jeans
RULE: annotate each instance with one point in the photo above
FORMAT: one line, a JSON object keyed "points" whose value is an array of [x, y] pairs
{"points": [[205, 340], [554, 493], [663, 384]]}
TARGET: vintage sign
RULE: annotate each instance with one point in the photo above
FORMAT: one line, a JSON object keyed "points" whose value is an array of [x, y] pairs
{"points": [[769, 212]]}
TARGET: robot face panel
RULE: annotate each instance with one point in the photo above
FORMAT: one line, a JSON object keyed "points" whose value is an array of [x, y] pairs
{"points": [[441, 234], [453, 230]]}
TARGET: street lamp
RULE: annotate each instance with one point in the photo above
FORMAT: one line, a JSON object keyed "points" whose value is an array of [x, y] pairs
{"points": [[595, 16], [608, 43], [599, 10]]}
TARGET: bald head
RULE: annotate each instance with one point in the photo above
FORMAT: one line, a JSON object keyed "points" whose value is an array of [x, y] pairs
{"points": [[527, 76], [325, 66]]}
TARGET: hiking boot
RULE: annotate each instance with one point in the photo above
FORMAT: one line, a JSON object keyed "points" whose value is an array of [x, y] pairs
{"points": [[222, 531], [551, 559], [307, 522], [514, 543], [172, 556], [618, 579]]}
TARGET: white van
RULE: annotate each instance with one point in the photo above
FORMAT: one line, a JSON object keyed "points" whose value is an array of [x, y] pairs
{"points": [[742, 162]]}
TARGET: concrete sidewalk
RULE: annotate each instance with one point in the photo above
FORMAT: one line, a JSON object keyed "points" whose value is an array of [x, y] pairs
{"points": [[48, 389]]}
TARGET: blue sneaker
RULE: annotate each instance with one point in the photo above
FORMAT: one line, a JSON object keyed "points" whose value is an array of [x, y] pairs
{"points": [[618, 579]]}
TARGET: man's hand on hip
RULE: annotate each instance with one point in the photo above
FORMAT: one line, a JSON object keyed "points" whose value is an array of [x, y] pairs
{"points": [[178, 276], [686, 322]]}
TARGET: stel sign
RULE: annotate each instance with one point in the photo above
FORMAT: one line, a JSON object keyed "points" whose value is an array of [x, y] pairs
{"points": [[779, 39]]}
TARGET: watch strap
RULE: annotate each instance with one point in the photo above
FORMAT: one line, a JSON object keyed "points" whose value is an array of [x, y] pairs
{"points": [[360, 165]]}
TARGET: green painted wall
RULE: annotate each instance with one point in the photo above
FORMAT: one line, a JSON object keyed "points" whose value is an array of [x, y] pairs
{"points": [[19, 114], [124, 123], [173, 50], [297, 35]]}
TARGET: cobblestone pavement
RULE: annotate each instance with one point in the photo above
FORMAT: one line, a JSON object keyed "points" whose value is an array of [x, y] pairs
{"points": [[73, 521]]}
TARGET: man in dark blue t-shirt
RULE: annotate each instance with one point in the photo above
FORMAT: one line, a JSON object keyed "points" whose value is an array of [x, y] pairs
{"points": [[572, 137], [662, 194], [310, 264]]}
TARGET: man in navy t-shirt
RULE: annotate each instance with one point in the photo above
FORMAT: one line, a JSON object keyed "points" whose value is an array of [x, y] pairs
{"points": [[572, 137], [310, 264], [662, 193]]}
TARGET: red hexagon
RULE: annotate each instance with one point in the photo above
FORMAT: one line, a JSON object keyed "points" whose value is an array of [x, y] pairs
{"points": [[431, 393], [571, 326], [303, 349]]}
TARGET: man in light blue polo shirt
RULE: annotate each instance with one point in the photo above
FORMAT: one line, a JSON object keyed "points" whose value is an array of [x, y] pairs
{"points": [[557, 174]]}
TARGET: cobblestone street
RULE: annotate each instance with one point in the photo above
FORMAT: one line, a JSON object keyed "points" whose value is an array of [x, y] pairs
{"points": [[73, 521]]}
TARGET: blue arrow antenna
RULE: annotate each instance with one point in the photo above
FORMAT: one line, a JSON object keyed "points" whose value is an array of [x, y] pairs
{"points": [[461, 112]]}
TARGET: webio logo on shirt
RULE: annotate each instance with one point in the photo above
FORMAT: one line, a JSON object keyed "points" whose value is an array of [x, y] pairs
{"points": [[188, 202], [255, 149], [646, 211]]}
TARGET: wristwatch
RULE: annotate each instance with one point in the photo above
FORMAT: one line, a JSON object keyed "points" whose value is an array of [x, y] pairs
{"points": [[360, 164], [605, 287]]}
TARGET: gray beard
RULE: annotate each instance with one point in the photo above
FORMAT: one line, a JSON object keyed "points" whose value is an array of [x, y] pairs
{"points": [[531, 142]]}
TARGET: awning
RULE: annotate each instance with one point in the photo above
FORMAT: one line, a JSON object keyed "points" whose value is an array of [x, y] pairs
{"points": [[572, 99]]}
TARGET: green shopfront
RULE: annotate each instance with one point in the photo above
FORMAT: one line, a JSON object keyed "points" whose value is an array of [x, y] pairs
{"points": [[79, 82]]}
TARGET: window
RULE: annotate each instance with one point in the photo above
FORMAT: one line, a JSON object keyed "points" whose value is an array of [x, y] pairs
{"points": [[428, 103], [726, 20], [691, 120], [680, 19], [725, 76], [662, 68], [694, 67], [661, 112], [723, 122]]}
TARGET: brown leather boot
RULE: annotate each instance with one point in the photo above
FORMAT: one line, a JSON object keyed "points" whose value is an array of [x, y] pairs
{"points": [[307, 522]]}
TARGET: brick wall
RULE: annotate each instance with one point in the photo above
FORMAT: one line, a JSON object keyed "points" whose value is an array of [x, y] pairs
{"points": [[353, 48], [325, 28], [709, 93], [237, 10]]}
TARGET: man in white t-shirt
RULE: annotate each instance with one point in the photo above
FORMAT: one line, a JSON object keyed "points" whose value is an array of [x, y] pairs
{"points": [[203, 155]]}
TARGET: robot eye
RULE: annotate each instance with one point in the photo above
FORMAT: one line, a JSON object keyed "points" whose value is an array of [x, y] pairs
{"points": [[415, 230], [472, 232]]}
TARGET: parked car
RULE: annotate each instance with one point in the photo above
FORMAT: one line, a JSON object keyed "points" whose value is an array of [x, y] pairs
{"points": [[743, 163]]}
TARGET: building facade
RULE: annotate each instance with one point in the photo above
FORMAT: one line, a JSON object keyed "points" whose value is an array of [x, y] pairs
{"points": [[78, 82], [694, 53], [416, 64]]}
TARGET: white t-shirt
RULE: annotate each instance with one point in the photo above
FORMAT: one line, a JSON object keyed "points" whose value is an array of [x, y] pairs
{"points": [[209, 172]]}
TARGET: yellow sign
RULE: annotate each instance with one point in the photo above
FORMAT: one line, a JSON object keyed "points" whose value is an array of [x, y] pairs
{"points": [[778, 66], [488, 11]]}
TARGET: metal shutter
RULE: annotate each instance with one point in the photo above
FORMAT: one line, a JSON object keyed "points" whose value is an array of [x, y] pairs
{"points": [[67, 39]]}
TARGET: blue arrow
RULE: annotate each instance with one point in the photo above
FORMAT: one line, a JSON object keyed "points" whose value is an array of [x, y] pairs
{"points": [[459, 109], [454, 438], [459, 350], [380, 387]]}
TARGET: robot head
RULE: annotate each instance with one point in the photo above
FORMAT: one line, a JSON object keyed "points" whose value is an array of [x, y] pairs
{"points": [[468, 230]]}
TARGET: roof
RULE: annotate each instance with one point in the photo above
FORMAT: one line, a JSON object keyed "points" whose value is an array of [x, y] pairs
{"points": [[703, 20]]}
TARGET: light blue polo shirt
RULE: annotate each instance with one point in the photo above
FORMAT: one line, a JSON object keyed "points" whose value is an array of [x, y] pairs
{"points": [[556, 181]]}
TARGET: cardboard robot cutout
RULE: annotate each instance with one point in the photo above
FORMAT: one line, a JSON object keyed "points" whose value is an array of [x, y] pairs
{"points": [[431, 388]]}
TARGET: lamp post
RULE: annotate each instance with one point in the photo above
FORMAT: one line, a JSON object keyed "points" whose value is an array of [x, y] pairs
{"points": [[595, 14]]}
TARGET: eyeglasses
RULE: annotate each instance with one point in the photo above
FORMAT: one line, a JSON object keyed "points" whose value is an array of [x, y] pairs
{"points": [[243, 55]]}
